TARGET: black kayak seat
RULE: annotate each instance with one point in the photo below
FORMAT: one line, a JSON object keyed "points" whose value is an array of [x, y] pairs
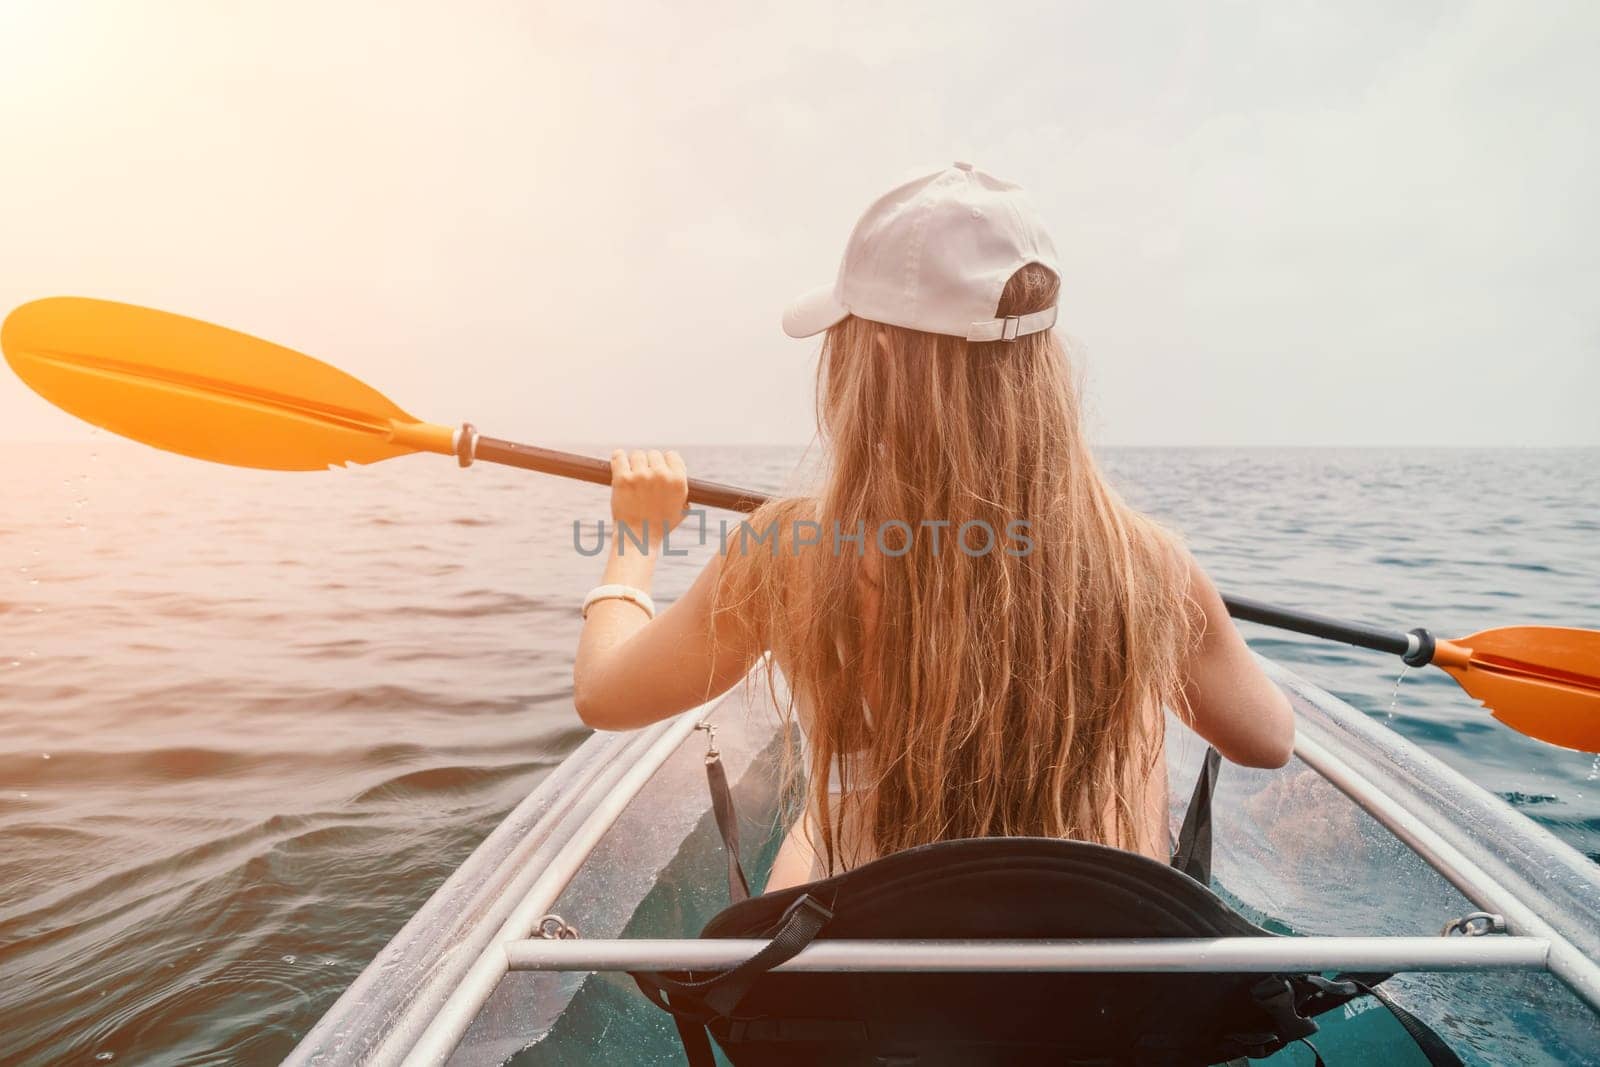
{"points": [[1011, 889]]}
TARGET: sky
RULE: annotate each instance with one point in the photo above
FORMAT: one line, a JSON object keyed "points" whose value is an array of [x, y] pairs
{"points": [[1281, 223]]}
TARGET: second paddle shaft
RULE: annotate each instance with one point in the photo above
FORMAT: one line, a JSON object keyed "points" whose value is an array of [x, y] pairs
{"points": [[1416, 647]]}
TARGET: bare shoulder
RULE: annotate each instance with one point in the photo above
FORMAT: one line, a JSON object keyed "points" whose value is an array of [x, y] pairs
{"points": [[1202, 592]]}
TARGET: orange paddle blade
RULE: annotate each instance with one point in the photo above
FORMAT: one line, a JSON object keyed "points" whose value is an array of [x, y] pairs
{"points": [[200, 390], [1543, 681]]}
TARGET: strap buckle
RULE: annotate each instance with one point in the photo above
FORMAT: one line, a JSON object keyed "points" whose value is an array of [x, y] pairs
{"points": [[1010, 327], [710, 728], [1275, 996], [806, 902]]}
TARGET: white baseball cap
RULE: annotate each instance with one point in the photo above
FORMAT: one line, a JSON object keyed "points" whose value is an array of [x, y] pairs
{"points": [[934, 255]]}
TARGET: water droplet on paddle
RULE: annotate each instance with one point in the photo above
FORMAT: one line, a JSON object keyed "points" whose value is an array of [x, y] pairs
{"points": [[289, 959]]}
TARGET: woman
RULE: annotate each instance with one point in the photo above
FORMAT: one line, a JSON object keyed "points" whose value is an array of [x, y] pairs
{"points": [[979, 635]]}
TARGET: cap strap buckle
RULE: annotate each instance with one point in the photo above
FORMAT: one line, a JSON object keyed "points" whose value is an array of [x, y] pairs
{"points": [[1011, 327]]}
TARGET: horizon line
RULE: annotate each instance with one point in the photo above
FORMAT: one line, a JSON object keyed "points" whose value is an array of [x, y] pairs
{"points": [[594, 445]]}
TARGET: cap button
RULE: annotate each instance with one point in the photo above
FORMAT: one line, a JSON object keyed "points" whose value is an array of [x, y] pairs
{"points": [[962, 166]]}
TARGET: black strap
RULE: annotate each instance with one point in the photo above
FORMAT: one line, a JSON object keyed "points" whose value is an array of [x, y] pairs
{"points": [[694, 1003], [696, 1042], [1275, 995], [727, 826], [1429, 1043], [721, 993], [1318, 994], [691, 1024], [1192, 855]]}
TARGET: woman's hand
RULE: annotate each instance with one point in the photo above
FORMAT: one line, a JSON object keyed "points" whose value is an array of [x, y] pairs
{"points": [[648, 493], [631, 671]]}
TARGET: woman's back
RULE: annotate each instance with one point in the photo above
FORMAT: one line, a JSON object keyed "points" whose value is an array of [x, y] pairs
{"points": [[978, 634], [802, 857]]}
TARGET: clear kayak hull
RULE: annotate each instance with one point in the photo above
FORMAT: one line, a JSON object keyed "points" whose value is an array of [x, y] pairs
{"points": [[1360, 835]]}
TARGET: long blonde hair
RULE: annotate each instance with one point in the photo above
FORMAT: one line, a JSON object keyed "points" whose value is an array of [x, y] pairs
{"points": [[1014, 691]]}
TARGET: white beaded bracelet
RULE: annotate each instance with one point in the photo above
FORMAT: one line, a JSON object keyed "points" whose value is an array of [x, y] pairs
{"points": [[619, 592]]}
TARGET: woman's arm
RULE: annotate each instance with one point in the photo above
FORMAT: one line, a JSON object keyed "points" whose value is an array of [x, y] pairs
{"points": [[1232, 702], [631, 670]]}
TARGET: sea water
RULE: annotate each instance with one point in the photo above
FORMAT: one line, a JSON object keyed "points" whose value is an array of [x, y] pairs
{"points": [[249, 720]]}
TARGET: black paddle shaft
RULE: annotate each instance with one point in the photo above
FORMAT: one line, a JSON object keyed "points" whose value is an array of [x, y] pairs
{"points": [[1304, 622], [733, 498]]}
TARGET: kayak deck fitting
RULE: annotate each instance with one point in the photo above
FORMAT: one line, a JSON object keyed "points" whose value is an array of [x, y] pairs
{"points": [[612, 864]]}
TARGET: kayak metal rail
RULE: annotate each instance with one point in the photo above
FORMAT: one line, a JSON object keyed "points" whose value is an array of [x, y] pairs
{"points": [[1393, 780], [1222, 955], [443, 992], [445, 1031]]}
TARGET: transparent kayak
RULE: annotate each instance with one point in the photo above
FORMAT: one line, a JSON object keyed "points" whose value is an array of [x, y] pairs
{"points": [[1364, 846]]}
